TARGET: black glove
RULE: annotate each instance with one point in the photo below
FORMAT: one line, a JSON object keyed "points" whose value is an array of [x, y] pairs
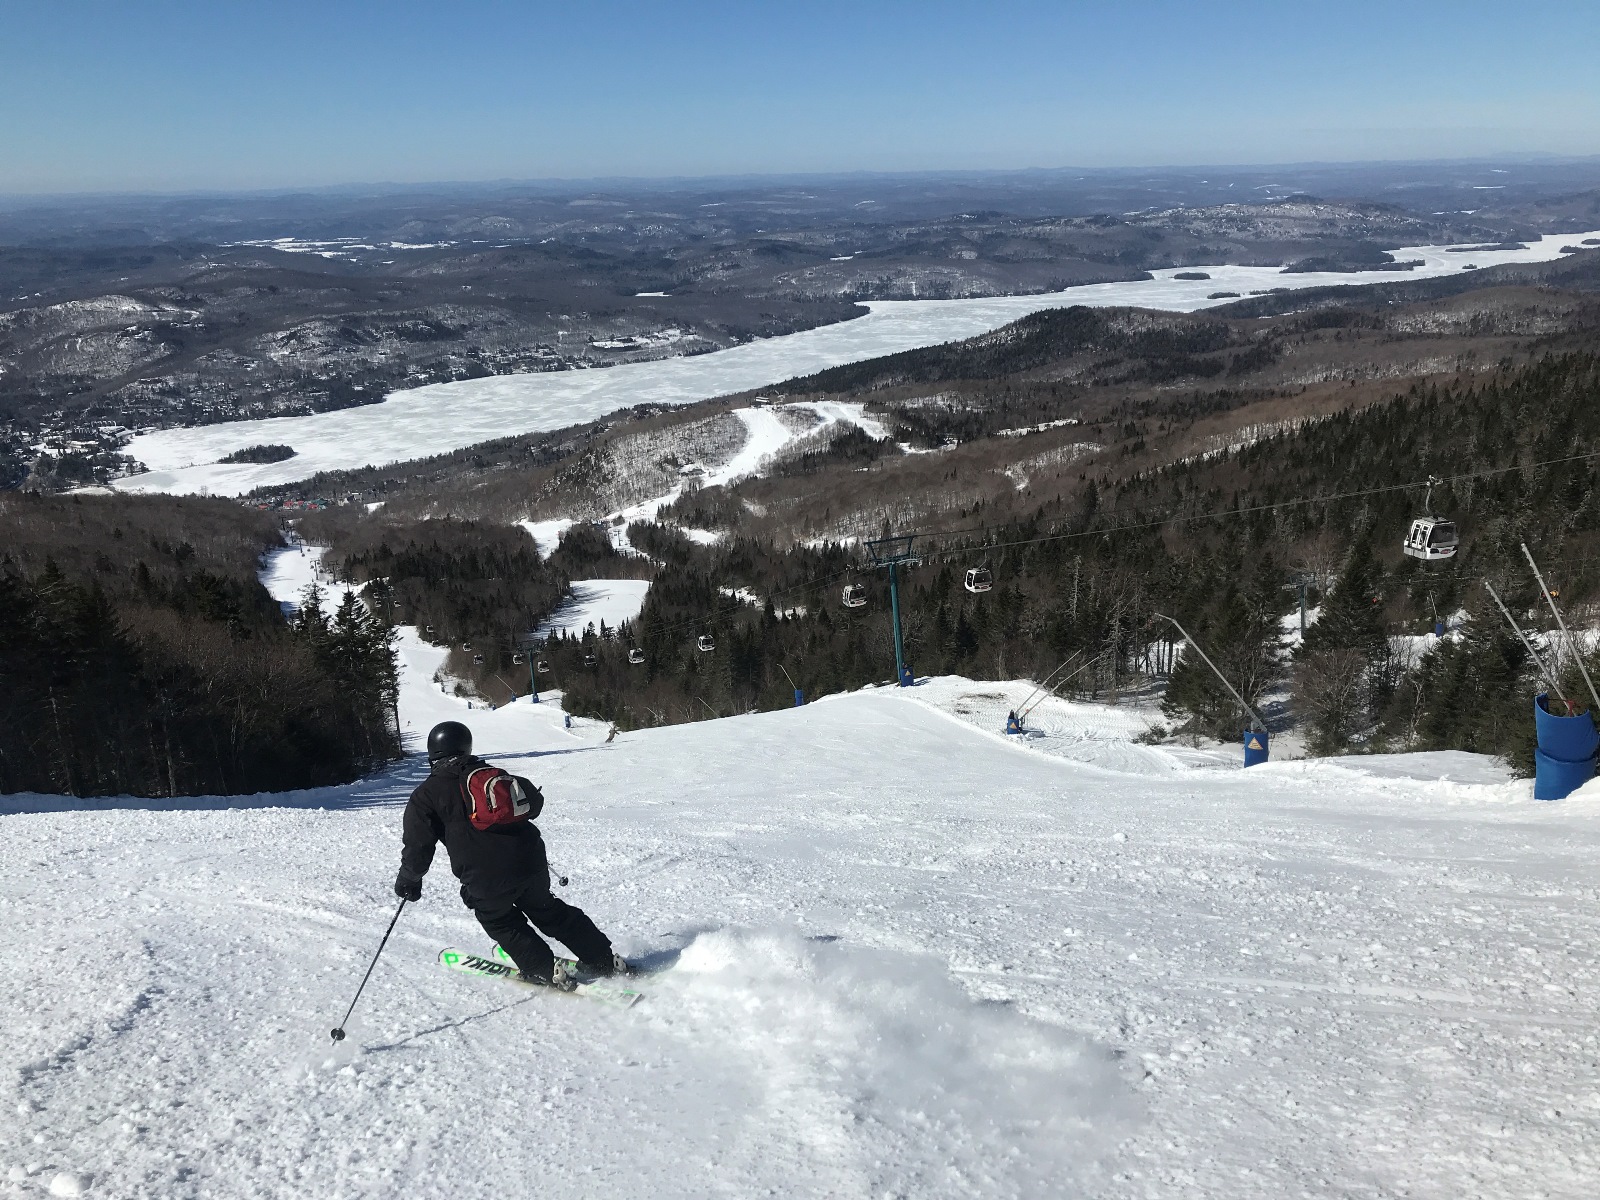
{"points": [[407, 886]]}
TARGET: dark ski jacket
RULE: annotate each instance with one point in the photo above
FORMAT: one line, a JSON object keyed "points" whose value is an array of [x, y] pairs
{"points": [[492, 864]]}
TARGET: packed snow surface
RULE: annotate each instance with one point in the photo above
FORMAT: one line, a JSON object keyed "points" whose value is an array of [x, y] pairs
{"points": [[445, 416], [288, 573], [596, 601], [546, 535], [891, 953]]}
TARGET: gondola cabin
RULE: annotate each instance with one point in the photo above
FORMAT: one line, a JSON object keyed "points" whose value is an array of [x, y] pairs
{"points": [[855, 596], [1431, 539], [542, 667], [589, 660], [636, 657], [979, 579], [706, 643], [516, 660]]}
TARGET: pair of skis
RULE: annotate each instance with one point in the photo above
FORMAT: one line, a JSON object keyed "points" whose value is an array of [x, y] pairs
{"points": [[498, 965]]}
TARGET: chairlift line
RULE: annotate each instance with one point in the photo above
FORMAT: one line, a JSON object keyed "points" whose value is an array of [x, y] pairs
{"points": [[1171, 519], [1183, 519]]}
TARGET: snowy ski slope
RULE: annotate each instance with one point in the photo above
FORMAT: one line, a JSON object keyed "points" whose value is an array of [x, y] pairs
{"points": [[445, 416], [897, 955], [765, 436], [593, 601]]}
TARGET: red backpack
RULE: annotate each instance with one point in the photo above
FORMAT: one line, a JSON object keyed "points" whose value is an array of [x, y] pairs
{"points": [[495, 797]]}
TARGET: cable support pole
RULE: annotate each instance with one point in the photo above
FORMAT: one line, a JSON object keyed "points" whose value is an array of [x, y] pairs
{"points": [[1039, 687], [1022, 713], [1556, 612], [1254, 716], [1549, 679], [899, 642]]}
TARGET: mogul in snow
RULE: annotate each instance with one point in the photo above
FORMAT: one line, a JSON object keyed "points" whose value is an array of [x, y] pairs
{"points": [[484, 816]]}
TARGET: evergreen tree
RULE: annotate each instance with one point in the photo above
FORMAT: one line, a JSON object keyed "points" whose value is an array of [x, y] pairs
{"points": [[1342, 677], [1475, 693], [1351, 617]]}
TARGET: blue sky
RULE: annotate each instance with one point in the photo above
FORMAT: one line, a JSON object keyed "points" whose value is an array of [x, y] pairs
{"points": [[170, 95]]}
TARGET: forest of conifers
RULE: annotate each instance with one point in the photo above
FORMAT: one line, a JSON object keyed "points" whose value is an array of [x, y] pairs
{"points": [[1218, 543], [143, 657]]}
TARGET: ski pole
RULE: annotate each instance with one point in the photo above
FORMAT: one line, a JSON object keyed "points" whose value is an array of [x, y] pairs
{"points": [[338, 1032]]}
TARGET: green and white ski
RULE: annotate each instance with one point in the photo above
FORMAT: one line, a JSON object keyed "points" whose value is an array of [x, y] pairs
{"points": [[572, 965], [606, 991]]}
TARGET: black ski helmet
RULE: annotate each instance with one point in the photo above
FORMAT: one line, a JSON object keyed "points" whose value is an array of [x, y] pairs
{"points": [[448, 739]]}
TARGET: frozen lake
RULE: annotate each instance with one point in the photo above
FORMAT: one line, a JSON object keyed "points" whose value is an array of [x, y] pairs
{"points": [[446, 416]]}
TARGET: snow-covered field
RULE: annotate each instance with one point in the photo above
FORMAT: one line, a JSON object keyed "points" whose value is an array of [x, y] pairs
{"points": [[611, 601], [546, 535], [440, 417], [894, 954]]}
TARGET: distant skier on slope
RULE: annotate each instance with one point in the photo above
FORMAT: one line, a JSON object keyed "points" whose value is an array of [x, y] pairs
{"points": [[484, 817]]}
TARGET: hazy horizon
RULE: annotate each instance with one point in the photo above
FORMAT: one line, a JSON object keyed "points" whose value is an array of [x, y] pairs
{"points": [[663, 182], [191, 97]]}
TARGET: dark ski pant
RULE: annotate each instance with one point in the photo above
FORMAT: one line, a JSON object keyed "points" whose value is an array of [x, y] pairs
{"points": [[507, 923]]}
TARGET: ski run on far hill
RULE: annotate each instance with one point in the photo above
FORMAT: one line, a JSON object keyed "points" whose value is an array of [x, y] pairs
{"points": [[889, 953]]}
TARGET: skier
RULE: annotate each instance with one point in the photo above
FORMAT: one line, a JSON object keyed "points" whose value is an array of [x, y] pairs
{"points": [[505, 877]]}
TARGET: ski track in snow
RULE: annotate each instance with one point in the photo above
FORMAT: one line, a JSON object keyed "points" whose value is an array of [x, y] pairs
{"points": [[416, 422], [894, 955]]}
